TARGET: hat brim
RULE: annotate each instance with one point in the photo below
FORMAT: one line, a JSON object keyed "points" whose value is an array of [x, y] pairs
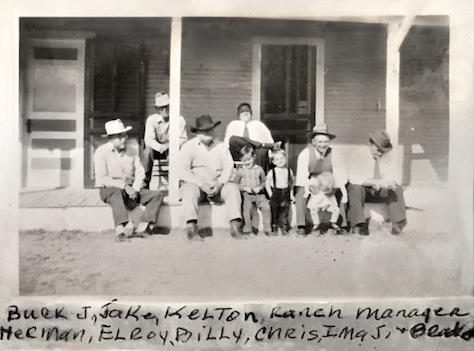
{"points": [[383, 148], [313, 134], [118, 132], [206, 127]]}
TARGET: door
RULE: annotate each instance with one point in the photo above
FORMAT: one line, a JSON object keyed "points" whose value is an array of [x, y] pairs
{"points": [[290, 90], [54, 113]]}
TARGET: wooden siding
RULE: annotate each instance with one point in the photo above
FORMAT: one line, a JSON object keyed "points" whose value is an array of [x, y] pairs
{"points": [[217, 69], [424, 105]]}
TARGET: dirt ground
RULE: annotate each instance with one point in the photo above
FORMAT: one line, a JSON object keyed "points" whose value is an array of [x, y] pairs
{"points": [[414, 264]]}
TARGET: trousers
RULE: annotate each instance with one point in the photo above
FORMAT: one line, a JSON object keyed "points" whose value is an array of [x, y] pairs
{"points": [[280, 206], [191, 195], [260, 201], [358, 195], [120, 202], [261, 154]]}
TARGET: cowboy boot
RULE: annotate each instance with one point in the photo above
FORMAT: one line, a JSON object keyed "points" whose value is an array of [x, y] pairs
{"points": [[236, 229]]}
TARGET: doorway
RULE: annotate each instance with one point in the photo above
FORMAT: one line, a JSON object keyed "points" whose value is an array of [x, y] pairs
{"points": [[288, 88]]}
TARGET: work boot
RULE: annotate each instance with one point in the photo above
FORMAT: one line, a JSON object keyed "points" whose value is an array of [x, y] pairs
{"points": [[236, 229], [362, 229], [192, 231], [301, 231], [397, 227]]}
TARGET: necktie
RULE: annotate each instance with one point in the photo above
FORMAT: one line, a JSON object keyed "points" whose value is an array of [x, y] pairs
{"points": [[246, 132], [377, 169]]}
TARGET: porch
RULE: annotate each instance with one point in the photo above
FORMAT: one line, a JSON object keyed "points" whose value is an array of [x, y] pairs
{"points": [[82, 209]]}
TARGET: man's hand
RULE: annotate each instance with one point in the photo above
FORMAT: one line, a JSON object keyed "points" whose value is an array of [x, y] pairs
{"points": [[132, 193], [257, 189], [390, 184], [247, 189]]}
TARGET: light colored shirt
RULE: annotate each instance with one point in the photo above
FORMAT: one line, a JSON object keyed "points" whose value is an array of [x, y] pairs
{"points": [[281, 175], [202, 164], [118, 168], [157, 132], [257, 131], [362, 164], [338, 168]]}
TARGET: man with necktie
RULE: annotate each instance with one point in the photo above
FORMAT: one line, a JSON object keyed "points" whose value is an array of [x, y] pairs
{"points": [[375, 182], [252, 133], [157, 135]]}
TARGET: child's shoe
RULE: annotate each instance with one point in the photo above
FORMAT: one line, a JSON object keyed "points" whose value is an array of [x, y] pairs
{"points": [[284, 231]]}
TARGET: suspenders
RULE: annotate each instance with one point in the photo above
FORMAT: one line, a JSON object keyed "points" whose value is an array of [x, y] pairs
{"points": [[274, 176]]}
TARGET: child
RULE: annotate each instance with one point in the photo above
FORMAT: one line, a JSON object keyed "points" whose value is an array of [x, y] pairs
{"points": [[279, 184], [320, 190], [251, 180]]}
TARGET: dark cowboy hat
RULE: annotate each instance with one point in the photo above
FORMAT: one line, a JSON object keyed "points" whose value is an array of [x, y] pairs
{"points": [[381, 139], [204, 122], [321, 129]]}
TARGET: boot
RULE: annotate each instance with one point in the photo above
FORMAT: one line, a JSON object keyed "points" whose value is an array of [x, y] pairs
{"points": [[236, 229], [192, 231]]}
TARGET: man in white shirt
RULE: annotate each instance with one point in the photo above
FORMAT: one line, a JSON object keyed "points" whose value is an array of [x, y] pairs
{"points": [[119, 174], [206, 170], [374, 180], [157, 135], [248, 132]]}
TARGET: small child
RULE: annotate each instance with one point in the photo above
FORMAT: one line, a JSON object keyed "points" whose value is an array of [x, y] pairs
{"points": [[320, 190], [251, 180], [279, 184]]}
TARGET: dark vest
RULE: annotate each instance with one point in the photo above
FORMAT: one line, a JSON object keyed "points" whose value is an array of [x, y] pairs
{"points": [[318, 166]]}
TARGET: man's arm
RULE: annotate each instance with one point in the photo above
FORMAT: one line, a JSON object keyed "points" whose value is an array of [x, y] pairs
{"points": [[183, 135], [185, 162], [150, 136], [227, 165], [302, 168], [139, 175]]}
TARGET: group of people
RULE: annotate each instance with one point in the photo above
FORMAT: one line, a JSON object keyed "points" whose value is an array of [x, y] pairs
{"points": [[247, 171]]}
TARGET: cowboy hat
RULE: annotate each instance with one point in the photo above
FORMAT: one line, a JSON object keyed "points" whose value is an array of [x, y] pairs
{"points": [[381, 139], [161, 99], [321, 129], [204, 122], [115, 127]]}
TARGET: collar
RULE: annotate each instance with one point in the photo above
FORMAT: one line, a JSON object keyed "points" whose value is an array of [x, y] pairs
{"points": [[328, 150], [113, 149]]}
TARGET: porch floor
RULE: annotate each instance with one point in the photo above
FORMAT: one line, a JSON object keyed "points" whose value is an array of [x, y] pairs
{"points": [[63, 197]]}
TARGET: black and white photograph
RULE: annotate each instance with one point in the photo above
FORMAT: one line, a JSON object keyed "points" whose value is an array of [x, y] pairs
{"points": [[244, 156]]}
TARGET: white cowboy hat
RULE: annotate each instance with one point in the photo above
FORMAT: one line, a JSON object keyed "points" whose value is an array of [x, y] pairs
{"points": [[161, 99], [115, 127]]}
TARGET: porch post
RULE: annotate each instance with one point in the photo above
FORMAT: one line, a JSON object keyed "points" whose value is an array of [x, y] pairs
{"points": [[392, 116], [175, 108], [461, 143]]}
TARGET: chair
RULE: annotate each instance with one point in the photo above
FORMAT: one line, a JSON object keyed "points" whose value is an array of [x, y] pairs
{"points": [[159, 175]]}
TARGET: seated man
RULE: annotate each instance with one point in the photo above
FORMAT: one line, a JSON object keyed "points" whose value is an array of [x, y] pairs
{"points": [[157, 135], [119, 174], [252, 133], [379, 186], [206, 169]]}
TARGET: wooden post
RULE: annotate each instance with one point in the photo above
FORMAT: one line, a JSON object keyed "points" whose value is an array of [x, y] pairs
{"points": [[392, 117], [175, 108], [461, 144]]}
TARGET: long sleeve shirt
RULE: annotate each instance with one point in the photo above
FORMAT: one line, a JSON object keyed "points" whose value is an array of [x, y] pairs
{"points": [[257, 131], [361, 167], [250, 177], [202, 164], [118, 168], [157, 132]]}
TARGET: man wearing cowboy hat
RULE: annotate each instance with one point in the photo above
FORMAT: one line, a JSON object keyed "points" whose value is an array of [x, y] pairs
{"points": [[119, 174], [157, 135], [206, 169], [375, 180], [316, 158]]}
